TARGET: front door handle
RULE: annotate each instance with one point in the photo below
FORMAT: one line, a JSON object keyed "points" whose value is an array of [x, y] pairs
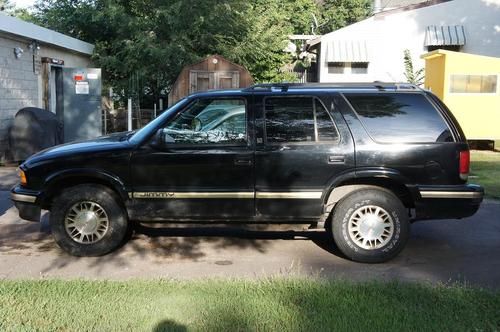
{"points": [[243, 161], [336, 159]]}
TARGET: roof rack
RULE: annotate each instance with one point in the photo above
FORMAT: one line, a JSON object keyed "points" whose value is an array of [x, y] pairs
{"points": [[381, 86]]}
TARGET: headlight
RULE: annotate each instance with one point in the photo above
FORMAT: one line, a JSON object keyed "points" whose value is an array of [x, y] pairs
{"points": [[22, 176]]}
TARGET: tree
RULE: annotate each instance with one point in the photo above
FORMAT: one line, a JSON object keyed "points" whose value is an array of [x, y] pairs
{"points": [[337, 14], [10, 9], [300, 14], [142, 45], [412, 76], [152, 40]]}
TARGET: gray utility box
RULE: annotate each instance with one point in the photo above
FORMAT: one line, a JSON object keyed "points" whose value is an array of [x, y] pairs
{"points": [[81, 111]]}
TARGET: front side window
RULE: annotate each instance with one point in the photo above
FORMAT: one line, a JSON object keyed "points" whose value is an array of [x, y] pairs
{"points": [[209, 121], [400, 118], [298, 119]]}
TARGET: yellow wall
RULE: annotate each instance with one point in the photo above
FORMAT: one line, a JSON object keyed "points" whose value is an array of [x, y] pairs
{"points": [[477, 113]]}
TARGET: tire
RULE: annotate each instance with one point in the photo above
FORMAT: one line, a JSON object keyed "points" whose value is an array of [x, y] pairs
{"points": [[88, 220], [370, 225]]}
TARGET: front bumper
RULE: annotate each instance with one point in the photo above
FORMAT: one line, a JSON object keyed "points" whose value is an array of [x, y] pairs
{"points": [[27, 203], [448, 202]]}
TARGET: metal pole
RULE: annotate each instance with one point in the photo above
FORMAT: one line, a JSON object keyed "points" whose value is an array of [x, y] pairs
{"points": [[161, 104], [105, 120], [154, 112], [129, 114]]}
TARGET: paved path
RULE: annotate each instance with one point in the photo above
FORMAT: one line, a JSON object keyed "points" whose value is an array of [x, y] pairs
{"points": [[438, 251], [8, 177]]}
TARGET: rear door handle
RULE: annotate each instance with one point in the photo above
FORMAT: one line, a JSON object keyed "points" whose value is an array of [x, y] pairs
{"points": [[243, 161], [336, 159]]}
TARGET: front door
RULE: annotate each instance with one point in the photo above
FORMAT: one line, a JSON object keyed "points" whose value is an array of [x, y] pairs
{"points": [[302, 144], [206, 168]]}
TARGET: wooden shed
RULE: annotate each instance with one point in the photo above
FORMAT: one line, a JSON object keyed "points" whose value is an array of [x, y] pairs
{"points": [[213, 72]]}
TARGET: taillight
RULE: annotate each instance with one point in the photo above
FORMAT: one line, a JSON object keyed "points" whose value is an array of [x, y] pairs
{"points": [[464, 165]]}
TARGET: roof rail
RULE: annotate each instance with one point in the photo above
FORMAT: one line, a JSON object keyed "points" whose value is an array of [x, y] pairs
{"points": [[381, 86], [407, 87], [270, 86]]}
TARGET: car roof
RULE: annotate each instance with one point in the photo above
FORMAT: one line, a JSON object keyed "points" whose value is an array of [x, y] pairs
{"points": [[312, 87]]}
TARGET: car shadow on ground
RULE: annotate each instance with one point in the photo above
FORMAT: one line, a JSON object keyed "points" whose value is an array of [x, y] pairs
{"points": [[158, 243], [232, 236]]}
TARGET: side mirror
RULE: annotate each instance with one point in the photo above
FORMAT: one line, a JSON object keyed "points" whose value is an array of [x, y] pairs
{"points": [[161, 139]]}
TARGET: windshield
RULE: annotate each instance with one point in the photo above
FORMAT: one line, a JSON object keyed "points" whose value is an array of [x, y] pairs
{"points": [[146, 130]]}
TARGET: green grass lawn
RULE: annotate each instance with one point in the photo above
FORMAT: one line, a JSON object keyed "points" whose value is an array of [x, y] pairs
{"points": [[275, 304], [485, 170]]}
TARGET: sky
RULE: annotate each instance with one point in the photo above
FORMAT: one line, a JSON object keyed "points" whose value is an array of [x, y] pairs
{"points": [[23, 3]]}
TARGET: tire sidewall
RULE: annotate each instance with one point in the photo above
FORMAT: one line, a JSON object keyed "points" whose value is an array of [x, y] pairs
{"points": [[353, 202], [117, 228]]}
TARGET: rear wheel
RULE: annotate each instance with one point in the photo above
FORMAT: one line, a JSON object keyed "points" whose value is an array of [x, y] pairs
{"points": [[88, 220], [370, 225]]}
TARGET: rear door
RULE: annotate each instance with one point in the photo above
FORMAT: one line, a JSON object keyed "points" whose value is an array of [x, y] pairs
{"points": [[302, 143]]}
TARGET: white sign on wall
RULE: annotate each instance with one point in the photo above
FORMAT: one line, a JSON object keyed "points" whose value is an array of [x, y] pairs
{"points": [[82, 88]]}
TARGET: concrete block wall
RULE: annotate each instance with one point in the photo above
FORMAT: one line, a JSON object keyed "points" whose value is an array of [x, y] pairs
{"points": [[18, 84]]}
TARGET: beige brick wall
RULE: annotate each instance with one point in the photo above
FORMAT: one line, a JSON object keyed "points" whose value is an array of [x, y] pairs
{"points": [[20, 85]]}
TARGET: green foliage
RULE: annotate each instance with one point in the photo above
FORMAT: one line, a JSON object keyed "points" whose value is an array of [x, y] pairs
{"points": [[150, 41], [337, 14], [412, 76], [273, 304], [7, 7], [485, 169], [300, 14], [153, 40]]}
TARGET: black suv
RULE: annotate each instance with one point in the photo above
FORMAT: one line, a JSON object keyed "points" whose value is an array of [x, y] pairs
{"points": [[361, 160]]}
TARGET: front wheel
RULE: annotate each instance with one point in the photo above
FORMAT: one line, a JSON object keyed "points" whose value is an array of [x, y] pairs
{"points": [[370, 225], [88, 220]]}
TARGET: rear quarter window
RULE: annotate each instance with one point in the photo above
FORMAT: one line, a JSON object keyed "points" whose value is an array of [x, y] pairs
{"points": [[400, 118]]}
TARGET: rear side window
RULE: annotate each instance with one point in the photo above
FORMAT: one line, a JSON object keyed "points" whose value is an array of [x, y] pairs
{"points": [[298, 119], [400, 118]]}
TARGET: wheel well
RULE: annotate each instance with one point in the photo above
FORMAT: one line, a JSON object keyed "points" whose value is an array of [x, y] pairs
{"points": [[59, 185], [398, 189], [345, 188]]}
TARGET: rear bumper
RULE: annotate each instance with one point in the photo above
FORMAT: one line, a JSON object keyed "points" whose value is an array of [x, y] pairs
{"points": [[26, 203], [448, 202]]}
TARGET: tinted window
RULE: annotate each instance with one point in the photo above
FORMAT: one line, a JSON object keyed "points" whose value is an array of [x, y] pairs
{"points": [[400, 118], [327, 132], [209, 121], [291, 119]]}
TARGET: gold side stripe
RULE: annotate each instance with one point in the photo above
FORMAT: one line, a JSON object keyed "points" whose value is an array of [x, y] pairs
{"points": [[450, 194], [22, 198], [244, 195], [290, 195], [174, 195]]}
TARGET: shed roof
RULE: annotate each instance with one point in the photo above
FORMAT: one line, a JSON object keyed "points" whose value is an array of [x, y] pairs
{"points": [[18, 27]]}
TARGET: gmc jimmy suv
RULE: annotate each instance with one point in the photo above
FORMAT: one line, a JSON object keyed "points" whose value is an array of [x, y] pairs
{"points": [[363, 161]]}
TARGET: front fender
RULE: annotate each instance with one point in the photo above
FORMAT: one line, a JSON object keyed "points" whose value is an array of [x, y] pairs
{"points": [[60, 179]]}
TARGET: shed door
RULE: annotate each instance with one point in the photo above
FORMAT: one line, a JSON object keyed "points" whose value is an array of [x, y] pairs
{"points": [[208, 80], [228, 80], [201, 81]]}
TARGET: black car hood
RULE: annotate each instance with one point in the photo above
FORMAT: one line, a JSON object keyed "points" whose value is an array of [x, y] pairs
{"points": [[113, 142]]}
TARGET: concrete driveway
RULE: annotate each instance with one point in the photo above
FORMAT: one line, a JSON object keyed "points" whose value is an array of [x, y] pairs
{"points": [[438, 251]]}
